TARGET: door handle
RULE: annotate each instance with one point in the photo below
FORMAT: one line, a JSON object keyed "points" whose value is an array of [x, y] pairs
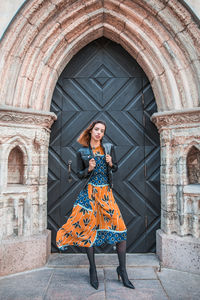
{"points": [[69, 163]]}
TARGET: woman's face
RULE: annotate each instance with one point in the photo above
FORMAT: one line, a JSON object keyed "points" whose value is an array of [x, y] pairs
{"points": [[97, 132]]}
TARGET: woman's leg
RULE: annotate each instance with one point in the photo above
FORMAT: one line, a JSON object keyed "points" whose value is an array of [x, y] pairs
{"points": [[121, 252], [121, 270], [93, 271]]}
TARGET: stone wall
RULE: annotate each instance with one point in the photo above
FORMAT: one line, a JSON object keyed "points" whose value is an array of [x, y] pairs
{"points": [[180, 197], [24, 140]]}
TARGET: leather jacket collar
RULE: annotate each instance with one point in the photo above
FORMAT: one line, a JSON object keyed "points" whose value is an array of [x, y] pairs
{"points": [[84, 154]]}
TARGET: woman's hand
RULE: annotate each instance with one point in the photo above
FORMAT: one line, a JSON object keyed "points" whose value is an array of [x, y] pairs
{"points": [[109, 160], [92, 164]]}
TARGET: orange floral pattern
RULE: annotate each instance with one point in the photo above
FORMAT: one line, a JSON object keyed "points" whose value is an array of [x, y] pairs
{"points": [[95, 217]]}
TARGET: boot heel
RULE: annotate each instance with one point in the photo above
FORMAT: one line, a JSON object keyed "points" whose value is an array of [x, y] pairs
{"points": [[124, 277], [94, 280], [118, 274]]}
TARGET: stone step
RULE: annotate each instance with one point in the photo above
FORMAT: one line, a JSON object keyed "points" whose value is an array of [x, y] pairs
{"points": [[79, 260]]}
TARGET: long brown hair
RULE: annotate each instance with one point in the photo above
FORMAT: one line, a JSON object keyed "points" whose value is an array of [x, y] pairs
{"points": [[85, 136]]}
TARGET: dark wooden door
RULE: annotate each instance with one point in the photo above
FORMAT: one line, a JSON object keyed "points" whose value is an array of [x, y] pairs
{"points": [[104, 82]]}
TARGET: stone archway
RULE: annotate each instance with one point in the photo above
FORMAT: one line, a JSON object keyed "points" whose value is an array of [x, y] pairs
{"points": [[164, 39], [161, 36]]}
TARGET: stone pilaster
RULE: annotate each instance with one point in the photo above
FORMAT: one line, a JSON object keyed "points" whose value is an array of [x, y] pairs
{"points": [[180, 198], [23, 203]]}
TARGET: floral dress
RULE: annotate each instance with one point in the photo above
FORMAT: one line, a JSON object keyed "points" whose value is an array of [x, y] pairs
{"points": [[95, 217]]}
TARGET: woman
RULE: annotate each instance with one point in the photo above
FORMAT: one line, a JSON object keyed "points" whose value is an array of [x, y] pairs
{"points": [[96, 218]]}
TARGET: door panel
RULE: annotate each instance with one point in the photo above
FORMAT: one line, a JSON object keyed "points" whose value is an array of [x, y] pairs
{"points": [[104, 82]]}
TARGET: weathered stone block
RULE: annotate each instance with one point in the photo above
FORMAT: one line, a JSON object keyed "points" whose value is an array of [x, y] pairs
{"points": [[168, 17], [153, 7], [181, 253], [110, 19], [169, 221], [112, 5], [168, 197], [24, 253]]}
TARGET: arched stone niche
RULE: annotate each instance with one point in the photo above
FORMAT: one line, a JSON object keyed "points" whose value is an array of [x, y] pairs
{"points": [[15, 166], [18, 163], [193, 165], [14, 173]]}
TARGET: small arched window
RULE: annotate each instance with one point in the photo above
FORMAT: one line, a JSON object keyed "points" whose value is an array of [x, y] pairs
{"points": [[15, 166], [193, 165]]}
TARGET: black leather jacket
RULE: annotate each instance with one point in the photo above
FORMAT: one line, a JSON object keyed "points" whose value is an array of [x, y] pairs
{"points": [[84, 154]]}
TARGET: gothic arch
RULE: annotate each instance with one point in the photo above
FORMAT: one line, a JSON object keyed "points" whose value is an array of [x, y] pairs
{"points": [[193, 161], [161, 35], [12, 143], [15, 166]]}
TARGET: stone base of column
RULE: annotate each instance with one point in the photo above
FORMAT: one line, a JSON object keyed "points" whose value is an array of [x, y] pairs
{"points": [[24, 253], [176, 252]]}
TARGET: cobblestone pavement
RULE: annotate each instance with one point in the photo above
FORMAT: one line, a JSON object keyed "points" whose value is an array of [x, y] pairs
{"points": [[66, 276]]}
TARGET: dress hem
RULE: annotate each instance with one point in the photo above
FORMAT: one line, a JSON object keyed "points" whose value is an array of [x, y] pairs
{"points": [[65, 247]]}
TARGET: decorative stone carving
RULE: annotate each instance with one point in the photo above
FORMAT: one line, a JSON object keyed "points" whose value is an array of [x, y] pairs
{"points": [[41, 138], [177, 118], [24, 136], [180, 144], [26, 117]]}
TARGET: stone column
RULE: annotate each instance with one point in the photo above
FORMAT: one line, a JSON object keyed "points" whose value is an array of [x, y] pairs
{"points": [[24, 140], [178, 240]]}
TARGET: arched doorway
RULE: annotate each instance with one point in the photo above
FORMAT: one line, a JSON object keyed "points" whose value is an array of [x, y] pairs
{"points": [[34, 51], [103, 81]]}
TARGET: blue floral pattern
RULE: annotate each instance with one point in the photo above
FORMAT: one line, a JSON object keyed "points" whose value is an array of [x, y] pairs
{"points": [[95, 218]]}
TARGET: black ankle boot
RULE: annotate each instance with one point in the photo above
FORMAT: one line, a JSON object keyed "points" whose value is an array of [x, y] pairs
{"points": [[124, 276], [93, 278]]}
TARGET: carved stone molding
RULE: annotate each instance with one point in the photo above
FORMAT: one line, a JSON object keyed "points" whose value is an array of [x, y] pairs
{"points": [[13, 115], [41, 138], [175, 84], [177, 119]]}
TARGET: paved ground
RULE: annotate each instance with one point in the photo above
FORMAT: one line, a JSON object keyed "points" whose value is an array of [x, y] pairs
{"points": [[66, 276]]}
